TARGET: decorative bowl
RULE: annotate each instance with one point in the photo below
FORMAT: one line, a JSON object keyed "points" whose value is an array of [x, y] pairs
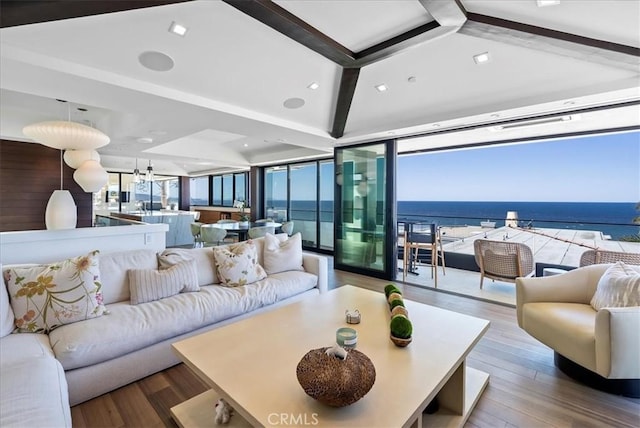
{"points": [[398, 341]]}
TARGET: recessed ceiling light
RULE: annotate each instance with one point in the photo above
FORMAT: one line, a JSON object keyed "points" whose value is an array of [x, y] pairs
{"points": [[145, 140], [293, 103], [412, 79], [569, 103], [543, 3], [313, 86], [178, 29], [436, 125], [481, 58], [245, 145], [495, 115], [381, 87], [156, 61]]}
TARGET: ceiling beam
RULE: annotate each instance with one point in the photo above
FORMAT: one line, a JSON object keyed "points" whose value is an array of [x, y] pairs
{"points": [[21, 12], [348, 83], [552, 41], [446, 12], [288, 24]]}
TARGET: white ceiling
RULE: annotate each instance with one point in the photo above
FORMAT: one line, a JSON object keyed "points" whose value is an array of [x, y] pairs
{"points": [[221, 107]]}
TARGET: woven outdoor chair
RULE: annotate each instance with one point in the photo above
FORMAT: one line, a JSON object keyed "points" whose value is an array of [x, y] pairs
{"points": [[503, 260], [594, 257]]}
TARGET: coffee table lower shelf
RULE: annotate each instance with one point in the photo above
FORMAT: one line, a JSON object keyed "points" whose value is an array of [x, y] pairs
{"points": [[199, 411]]}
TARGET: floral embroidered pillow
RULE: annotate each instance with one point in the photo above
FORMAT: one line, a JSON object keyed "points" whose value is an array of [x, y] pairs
{"points": [[44, 297], [238, 264]]}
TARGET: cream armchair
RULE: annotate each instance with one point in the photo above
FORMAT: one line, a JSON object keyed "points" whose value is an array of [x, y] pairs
{"points": [[556, 310]]}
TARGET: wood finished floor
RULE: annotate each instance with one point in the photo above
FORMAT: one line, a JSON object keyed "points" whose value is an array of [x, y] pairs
{"points": [[525, 388]]}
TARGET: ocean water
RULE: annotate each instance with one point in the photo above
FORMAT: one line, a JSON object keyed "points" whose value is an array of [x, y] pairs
{"points": [[614, 219]]}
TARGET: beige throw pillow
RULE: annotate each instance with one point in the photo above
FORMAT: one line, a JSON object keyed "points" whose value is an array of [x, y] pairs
{"points": [[44, 297], [282, 256], [238, 264], [147, 285], [203, 257], [618, 287]]}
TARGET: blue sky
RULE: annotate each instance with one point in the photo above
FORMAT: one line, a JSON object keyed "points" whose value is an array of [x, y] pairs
{"points": [[604, 168]]}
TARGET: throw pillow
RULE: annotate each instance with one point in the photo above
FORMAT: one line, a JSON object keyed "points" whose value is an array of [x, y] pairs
{"points": [[282, 256], [44, 297], [238, 264], [203, 257], [6, 313], [618, 287], [147, 285]]}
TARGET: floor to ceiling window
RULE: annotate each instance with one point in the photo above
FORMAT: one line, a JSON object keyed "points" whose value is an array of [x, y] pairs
{"points": [[303, 193]]}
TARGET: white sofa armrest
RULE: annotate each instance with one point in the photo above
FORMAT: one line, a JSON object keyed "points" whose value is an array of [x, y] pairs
{"points": [[618, 342], [575, 286], [317, 265]]}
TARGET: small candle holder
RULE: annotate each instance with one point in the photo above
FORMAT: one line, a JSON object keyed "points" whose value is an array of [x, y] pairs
{"points": [[353, 317], [346, 337]]}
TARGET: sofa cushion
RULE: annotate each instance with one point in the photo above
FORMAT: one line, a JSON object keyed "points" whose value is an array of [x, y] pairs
{"points": [[204, 262], [618, 287], [238, 264], [282, 255], [6, 313], [568, 328], [44, 297], [15, 348], [113, 271], [34, 393], [132, 327], [147, 285]]}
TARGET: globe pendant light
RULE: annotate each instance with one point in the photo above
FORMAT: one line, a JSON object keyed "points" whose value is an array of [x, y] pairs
{"points": [[91, 176], [75, 158], [61, 211]]}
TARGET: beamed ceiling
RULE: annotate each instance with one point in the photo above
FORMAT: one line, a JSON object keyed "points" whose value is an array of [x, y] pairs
{"points": [[242, 63]]}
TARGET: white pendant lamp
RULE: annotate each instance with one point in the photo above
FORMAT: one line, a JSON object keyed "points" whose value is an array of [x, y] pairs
{"points": [[91, 176], [66, 135], [61, 212], [75, 158]]}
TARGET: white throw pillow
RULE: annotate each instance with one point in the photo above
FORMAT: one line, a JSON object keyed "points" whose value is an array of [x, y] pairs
{"points": [[44, 297], [238, 264], [147, 285], [618, 287], [282, 256], [203, 257], [6, 313]]}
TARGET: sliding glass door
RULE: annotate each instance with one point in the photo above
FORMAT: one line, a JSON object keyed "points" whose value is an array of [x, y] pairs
{"points": [[365, 214]]}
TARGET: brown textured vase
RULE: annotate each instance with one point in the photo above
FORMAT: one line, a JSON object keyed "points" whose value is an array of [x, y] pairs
{"points": [[333, 381]]}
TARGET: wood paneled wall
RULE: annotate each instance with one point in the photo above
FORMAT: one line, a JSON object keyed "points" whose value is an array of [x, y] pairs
{"points": [[29, 173]]}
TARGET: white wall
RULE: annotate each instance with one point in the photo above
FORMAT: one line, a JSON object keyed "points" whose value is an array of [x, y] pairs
{"points": [[44, 246]]}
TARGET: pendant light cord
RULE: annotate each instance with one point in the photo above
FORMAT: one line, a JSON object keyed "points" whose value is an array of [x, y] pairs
{"points": [[61, 173]]}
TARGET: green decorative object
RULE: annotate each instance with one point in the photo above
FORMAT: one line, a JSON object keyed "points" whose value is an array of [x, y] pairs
{"points": [[391, 288], [394, 303], [394, 296], [401, 327]]}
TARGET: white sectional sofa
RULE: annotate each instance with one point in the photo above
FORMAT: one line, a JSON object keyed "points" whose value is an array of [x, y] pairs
{"points": [[42, 375]]}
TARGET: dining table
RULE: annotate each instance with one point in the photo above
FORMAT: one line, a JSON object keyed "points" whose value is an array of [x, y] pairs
{"points": [[242, 228]]}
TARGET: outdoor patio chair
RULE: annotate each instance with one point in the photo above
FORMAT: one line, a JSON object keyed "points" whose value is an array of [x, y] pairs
{"points": [[503, 260], [430, 243], [594, 257]]}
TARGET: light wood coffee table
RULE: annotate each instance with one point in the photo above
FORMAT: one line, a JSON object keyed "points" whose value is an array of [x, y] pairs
{"points": [[252, 364]]}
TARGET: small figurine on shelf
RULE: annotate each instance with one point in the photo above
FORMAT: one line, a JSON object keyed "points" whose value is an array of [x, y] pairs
{"points": [[223, 411]]}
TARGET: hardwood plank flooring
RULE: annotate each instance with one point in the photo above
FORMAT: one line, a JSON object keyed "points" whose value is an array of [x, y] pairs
{"points": [[525, 388]]}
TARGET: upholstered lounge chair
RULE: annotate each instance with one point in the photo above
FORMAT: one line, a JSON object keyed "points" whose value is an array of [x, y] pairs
{"points": [[599, 348]]}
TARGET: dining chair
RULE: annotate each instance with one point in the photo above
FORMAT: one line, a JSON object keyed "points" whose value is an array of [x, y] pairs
{"points": [[231, 236], [195, 231], [212, 236], [259, 231], [287, 227], [432, 251]]}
